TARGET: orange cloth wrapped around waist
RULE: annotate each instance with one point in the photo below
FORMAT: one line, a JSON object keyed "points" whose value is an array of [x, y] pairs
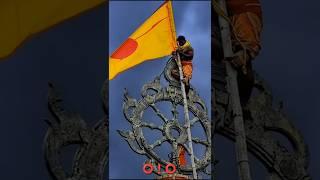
{"points": [[247, 27], [242, 6], [246, 19], [187, 69]]}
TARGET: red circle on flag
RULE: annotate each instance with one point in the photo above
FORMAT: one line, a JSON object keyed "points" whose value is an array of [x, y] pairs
{"points": [[126, 49]]}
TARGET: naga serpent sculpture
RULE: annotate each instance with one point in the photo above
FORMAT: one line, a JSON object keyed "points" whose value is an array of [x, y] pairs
{"points": [[67, 128]]}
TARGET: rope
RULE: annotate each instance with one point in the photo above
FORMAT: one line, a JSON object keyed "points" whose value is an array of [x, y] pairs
{"points": [[165, 66]]}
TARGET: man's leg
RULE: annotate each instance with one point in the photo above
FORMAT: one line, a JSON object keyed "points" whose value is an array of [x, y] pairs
{"points": [[187, 73], [245, 84], [247, 27]]}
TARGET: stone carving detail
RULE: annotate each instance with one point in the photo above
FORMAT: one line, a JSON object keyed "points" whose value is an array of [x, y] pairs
{"points": [[262, 122], [69, 128]]}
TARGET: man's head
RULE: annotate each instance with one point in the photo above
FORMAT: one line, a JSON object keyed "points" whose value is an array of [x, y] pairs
{"points": [[181, 40]]}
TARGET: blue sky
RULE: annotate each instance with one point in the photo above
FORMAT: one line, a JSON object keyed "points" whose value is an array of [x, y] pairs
{"points": [[193, 21]]}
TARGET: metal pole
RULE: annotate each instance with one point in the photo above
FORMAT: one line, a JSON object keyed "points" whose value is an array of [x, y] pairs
{"points": [[186, 116], [240, 135]]}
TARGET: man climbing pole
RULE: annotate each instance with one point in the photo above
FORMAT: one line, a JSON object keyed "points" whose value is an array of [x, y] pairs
{"points": [[183, 56], [246, 22], [240, 25], [185, 51]]}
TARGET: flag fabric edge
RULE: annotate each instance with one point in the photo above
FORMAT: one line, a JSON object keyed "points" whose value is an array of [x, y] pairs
{"points": [[168, 4]]}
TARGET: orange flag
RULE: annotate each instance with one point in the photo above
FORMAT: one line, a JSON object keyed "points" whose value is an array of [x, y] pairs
{"points": [[155, 38], [20, 19]]}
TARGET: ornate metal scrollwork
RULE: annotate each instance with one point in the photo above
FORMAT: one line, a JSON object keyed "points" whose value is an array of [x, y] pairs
{"points": [[153, 93], [69, 128], [262, 120]]}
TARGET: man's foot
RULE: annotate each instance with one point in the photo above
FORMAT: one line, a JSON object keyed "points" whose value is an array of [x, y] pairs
{"points": [[185, 81], [187, 90]]}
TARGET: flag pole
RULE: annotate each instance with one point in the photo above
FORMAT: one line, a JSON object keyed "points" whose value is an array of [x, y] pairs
{"points": [[240, 134], [186, 116]]}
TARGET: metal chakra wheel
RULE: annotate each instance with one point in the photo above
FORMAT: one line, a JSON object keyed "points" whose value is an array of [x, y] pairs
{"points": [[153, 93]]}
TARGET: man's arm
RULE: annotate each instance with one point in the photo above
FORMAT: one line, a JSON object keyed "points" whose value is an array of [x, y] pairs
{"points": [[188, 54]]}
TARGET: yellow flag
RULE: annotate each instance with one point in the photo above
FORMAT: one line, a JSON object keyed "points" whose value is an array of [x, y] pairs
{"points": [[155, 38], [21, 18]]}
